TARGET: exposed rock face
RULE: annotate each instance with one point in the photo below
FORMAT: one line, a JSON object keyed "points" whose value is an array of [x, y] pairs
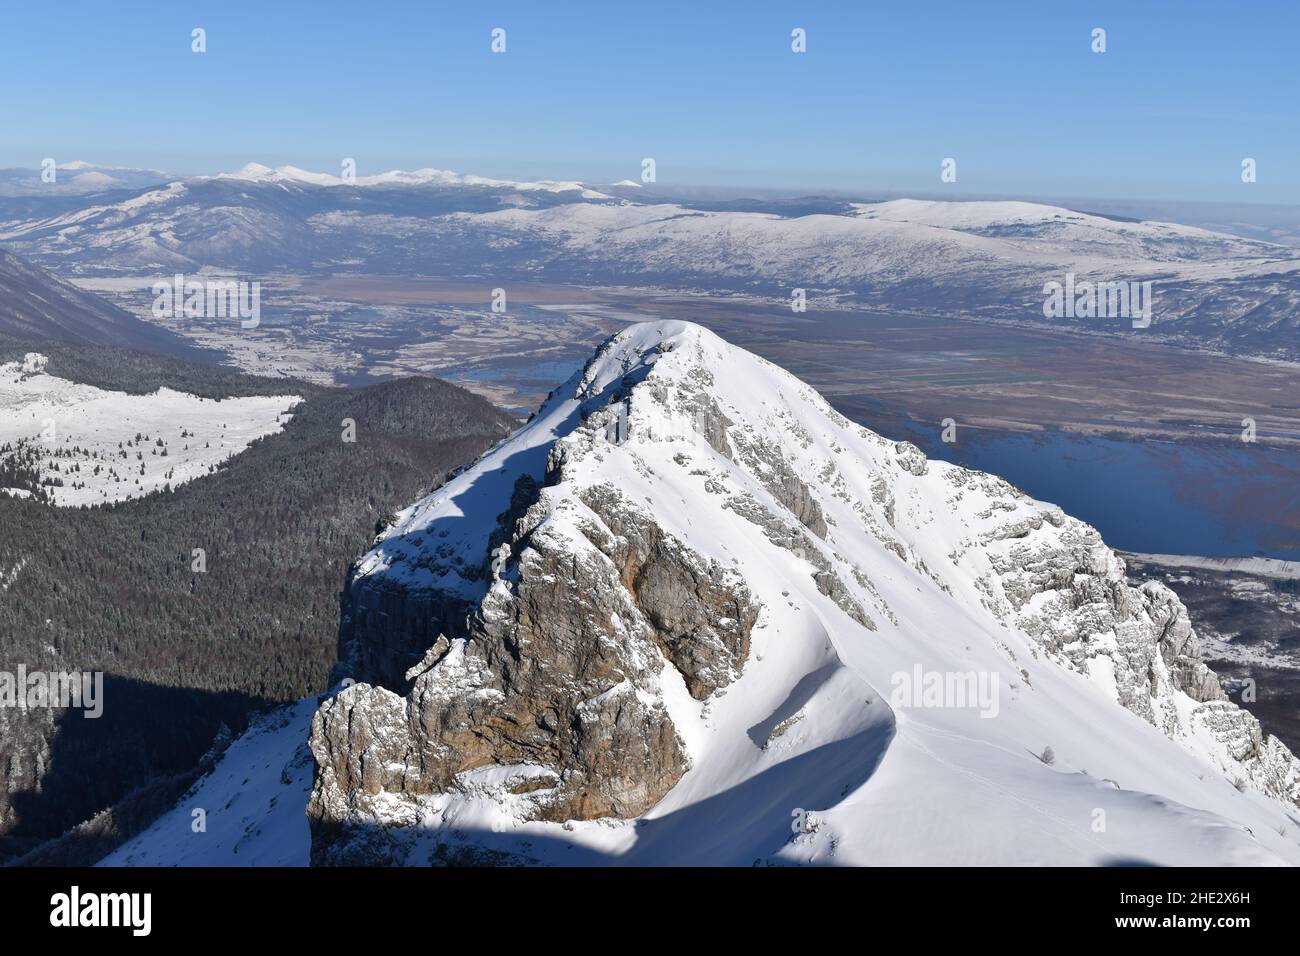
{"points": [[1065, 588], [701, 614], [558, 669], [786, 487], [789, 537], [911, 459]]}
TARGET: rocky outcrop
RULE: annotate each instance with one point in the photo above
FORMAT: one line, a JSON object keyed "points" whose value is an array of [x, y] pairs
{"points": [[701, 614], [558, 670], [1066, 589], [790, 538], [791, 491]]}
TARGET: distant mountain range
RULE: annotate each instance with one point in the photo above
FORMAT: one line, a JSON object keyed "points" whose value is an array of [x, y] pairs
{"points": [[988, 260], [77, 178]]}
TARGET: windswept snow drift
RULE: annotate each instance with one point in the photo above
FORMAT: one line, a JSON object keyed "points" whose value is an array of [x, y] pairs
{"points": [[941, 670]]}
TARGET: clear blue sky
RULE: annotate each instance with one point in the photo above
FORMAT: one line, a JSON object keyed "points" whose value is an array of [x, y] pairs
{"points": [[710, 90]]}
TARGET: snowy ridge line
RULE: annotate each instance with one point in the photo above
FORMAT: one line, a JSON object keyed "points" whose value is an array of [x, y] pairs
{"points": [[256, 172]]}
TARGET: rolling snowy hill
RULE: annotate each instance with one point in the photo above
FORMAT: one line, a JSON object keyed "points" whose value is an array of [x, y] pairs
{"points": [[690, 614]]}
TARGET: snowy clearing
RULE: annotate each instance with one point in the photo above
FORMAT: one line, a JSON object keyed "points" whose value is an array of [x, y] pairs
{"points": [[90, 446]]}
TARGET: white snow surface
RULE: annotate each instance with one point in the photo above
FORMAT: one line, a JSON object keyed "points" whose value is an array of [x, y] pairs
{"points": [[888, 242], [252, 804], [809, 757], [76, 425]]}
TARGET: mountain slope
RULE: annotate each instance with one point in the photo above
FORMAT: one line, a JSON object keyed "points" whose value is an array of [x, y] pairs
{"points": [[254, 796], [260, 219], [37, 306], [678, 618]]}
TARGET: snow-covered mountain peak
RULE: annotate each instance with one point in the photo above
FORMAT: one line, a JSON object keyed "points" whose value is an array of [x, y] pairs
{"points": [[250, 171], [259, 173], [689, 602], [654, 389]]}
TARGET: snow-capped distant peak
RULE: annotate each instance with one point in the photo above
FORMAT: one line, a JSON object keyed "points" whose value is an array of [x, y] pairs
{"points": [[81, 164], [628, 183], [256, 172], [426, 176], [296, 174]]}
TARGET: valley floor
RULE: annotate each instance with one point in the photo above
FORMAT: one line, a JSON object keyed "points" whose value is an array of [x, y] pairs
{"points": [[872, 365]]}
